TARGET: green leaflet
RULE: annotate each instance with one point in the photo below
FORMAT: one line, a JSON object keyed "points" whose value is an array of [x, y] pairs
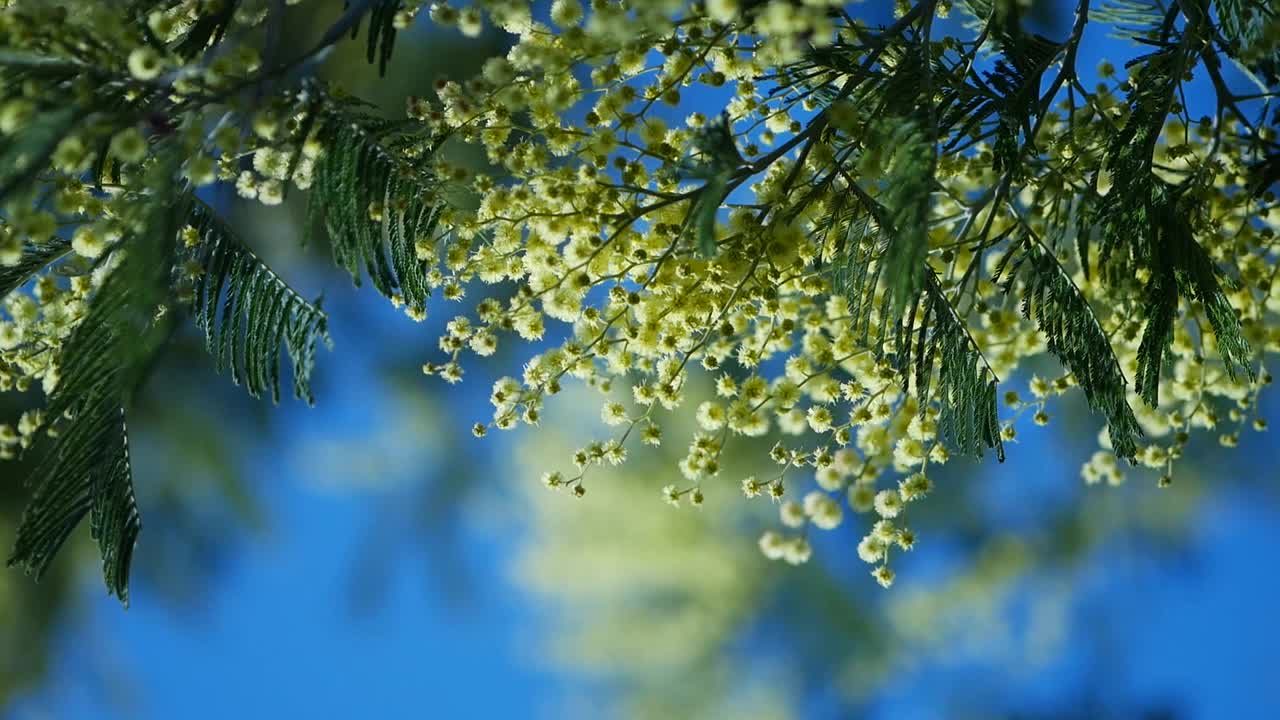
{"points": [[932, 335], [854, 271], [1180, 268], [1250, 30], [248, 312], [966, 390], [1076, 338], [907, 198], [382, 32], [375, 205], [86, 470], [1132, 18], [34, 259], [1159, 313]]}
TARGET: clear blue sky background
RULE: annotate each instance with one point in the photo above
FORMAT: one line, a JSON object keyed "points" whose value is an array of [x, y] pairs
{"points": [[276, 633]]}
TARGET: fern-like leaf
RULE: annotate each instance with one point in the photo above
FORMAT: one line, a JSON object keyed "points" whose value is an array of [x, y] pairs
{"points": [[376, 203], [1179, 267], [932, 338], [34, 259], [907, 196], [1144, 19], [854, 270], [1126, 216], [87, 473], [1246, 24], [1009, 91], [248, 312], [1159, 312], [1199, 278], [1074, 335], [382, 32], [966, 391], [86, 470]]}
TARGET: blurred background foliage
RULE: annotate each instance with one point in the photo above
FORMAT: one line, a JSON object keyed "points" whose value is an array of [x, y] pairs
{"points": [[1035, 596]]}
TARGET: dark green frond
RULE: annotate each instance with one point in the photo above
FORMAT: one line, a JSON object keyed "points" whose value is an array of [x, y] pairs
{"points": [[248, 312], [382, 27], [211, 23], [931, 335], [86, 470], [966, 390], [1009, 94], [1199, 278], [854, 271], [1145, 223], [1180, 267], [907, 197], [1159, 311], [1126, 218], [377, 203], [86, 473], [1250, 30], [1074, 335], [382, 32], [34, 259]]}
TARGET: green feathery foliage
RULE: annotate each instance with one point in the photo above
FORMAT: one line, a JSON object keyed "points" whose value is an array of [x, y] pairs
{"points": [[913, 311], [966, 390], [87, 473], [1155, 229], [1126, 213], [1135, 19], [1009, 92], [34, 259], [853, 271], [1144, 222], [931, 335], [1183, 268], [908, 187], [86, 469], [1074, 335], [382, 29], [375, 201], [1251, 31], [248, 312]]}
